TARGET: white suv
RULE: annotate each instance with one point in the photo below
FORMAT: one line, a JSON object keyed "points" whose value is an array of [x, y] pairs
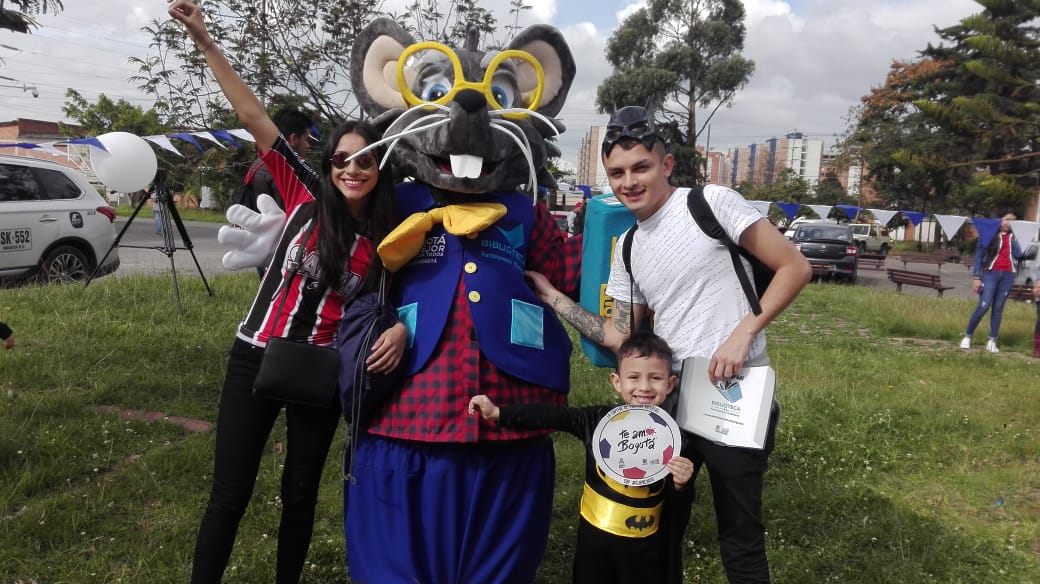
{"points": [[54, 226]]}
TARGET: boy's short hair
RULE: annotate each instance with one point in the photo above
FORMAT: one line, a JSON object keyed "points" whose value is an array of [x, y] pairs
{"points": [[292, 121], [644, 344]]}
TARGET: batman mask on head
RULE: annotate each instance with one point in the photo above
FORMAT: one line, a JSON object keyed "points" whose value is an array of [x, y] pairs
{"points": [[630, 123]]}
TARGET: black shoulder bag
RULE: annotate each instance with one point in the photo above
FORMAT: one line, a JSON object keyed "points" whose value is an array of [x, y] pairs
{"points": [[294, 370]]}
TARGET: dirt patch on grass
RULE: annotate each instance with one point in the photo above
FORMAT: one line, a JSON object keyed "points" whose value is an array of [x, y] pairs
{"points": [[939, 344], [189, 424]]}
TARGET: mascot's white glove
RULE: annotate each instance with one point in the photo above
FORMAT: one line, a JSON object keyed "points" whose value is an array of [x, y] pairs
{"points": [[255, 238]]}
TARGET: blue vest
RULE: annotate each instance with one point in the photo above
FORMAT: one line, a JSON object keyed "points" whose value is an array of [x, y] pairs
{"points": [[516, 331]]}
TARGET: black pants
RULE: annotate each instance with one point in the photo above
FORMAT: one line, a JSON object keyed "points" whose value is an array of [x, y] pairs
{"points": [[736, 486], [244, 424], [604, 558]]}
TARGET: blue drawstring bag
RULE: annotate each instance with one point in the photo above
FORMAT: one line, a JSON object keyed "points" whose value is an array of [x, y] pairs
{"points": [[362, 392]]}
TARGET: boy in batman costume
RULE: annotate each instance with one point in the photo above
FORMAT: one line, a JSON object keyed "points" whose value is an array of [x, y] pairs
{"points": [[625, 533]]}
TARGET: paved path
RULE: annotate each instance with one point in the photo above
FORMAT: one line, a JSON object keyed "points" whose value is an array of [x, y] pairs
{"points": [[953, 274], [140, 253]]}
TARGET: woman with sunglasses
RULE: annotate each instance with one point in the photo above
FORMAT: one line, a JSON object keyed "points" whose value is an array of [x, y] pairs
{"points": [[351, 203]]}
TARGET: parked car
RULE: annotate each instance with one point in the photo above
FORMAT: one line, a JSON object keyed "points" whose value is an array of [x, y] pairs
{"points": [[798, 222], [829, 247], [54, 226], [871, 237]]}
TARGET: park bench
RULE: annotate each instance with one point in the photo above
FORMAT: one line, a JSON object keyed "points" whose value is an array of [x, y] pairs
{"points": [[900, 277], [948, 255], [871, 262], [1022, 293], [922, 258]]}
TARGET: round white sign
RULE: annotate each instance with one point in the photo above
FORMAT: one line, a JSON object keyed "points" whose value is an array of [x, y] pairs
{"points": [[633, 444]]}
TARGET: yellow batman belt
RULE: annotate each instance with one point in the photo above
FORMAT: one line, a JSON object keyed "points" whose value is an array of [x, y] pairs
{"points": [[617, 518]]}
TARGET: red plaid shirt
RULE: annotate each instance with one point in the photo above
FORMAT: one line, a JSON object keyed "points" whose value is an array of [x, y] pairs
{"points": [[431, 406]]}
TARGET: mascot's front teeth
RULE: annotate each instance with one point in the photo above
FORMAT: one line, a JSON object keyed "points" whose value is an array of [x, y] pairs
{"points": [[466, 165]]}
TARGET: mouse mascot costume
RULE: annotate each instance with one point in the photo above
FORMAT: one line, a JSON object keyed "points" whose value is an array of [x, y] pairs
{"points": [[439, 496]]}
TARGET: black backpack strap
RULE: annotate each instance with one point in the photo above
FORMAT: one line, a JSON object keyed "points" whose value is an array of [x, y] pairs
{"points": [[706, 221], [626, 256]]}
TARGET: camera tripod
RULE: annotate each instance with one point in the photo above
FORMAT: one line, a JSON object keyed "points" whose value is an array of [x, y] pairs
{"points": [[167, 218]]}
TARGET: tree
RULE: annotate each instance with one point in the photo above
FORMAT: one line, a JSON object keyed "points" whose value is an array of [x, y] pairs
{"points": [[830, 192], [680, 55], [209, 166], [21, 20], [751, 191], [106, 115], [277, 46], [291, 53], [988, 96], [957, 129], [688, 161], [895, 143], [289, 48], [788, 187]]}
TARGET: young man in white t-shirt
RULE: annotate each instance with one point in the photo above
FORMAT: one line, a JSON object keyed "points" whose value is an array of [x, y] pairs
{"points": [[688, 280]]}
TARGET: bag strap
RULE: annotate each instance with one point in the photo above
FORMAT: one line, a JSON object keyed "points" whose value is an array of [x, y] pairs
{"points": [[361, 375], [252, 171], [709, 224], [294, 269], [626, 257]]}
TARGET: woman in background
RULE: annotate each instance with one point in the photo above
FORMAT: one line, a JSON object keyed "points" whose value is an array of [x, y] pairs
{"points": [[992, 276]]}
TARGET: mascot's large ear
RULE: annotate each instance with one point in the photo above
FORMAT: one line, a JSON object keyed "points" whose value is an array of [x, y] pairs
{"points": [[373, 65], [550, 49]]}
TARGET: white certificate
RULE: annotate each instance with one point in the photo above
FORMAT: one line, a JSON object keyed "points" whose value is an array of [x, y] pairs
{"points": [[733, 412]]}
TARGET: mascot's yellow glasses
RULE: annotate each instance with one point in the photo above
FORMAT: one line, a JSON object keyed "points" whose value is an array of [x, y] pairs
{"points": [[438, 87]]}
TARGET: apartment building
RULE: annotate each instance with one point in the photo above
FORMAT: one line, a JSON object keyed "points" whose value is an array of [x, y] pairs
{"points": [[718, 171], [589, 164]]}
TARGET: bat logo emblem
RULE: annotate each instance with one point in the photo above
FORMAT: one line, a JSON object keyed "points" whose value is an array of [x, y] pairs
{"points": [[640, 522]]}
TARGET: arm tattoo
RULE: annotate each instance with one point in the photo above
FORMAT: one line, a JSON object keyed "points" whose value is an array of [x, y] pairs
{"points": [[622, 316], [589, 324]]}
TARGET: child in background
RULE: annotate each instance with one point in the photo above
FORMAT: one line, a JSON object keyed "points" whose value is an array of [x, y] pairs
{"points": [[608, 549]]}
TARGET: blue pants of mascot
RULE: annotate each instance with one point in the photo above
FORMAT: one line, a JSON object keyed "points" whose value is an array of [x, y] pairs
{"points": [[448, 513]]}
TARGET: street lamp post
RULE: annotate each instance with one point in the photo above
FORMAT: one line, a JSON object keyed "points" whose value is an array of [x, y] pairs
{"points": [[35, 90]]}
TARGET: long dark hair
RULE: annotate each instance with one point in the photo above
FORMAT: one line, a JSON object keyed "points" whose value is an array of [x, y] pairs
{"points": [[337, 228]]}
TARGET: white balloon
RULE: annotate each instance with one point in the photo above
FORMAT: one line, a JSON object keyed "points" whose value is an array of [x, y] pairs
{"points": [[129, 165]]}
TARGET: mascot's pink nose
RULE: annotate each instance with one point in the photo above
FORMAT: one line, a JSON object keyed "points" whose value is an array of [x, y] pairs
{"points": [[471, 100]]}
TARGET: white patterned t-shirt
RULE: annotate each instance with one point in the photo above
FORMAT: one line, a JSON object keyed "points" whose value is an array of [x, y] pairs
{"points": [[687, 278]]}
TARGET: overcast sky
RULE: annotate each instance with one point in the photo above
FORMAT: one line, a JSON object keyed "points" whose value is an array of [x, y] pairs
{"points": [[814, 59]]}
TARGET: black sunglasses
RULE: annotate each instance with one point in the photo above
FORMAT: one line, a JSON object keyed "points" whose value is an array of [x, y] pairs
{"points": [[341, 160]]}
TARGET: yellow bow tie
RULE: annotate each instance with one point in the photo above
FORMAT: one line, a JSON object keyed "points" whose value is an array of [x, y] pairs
{"points": [[405, 241]]}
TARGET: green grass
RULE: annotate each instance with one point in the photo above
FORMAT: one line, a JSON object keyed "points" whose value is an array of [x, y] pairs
{"points": [[900, 459]]}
